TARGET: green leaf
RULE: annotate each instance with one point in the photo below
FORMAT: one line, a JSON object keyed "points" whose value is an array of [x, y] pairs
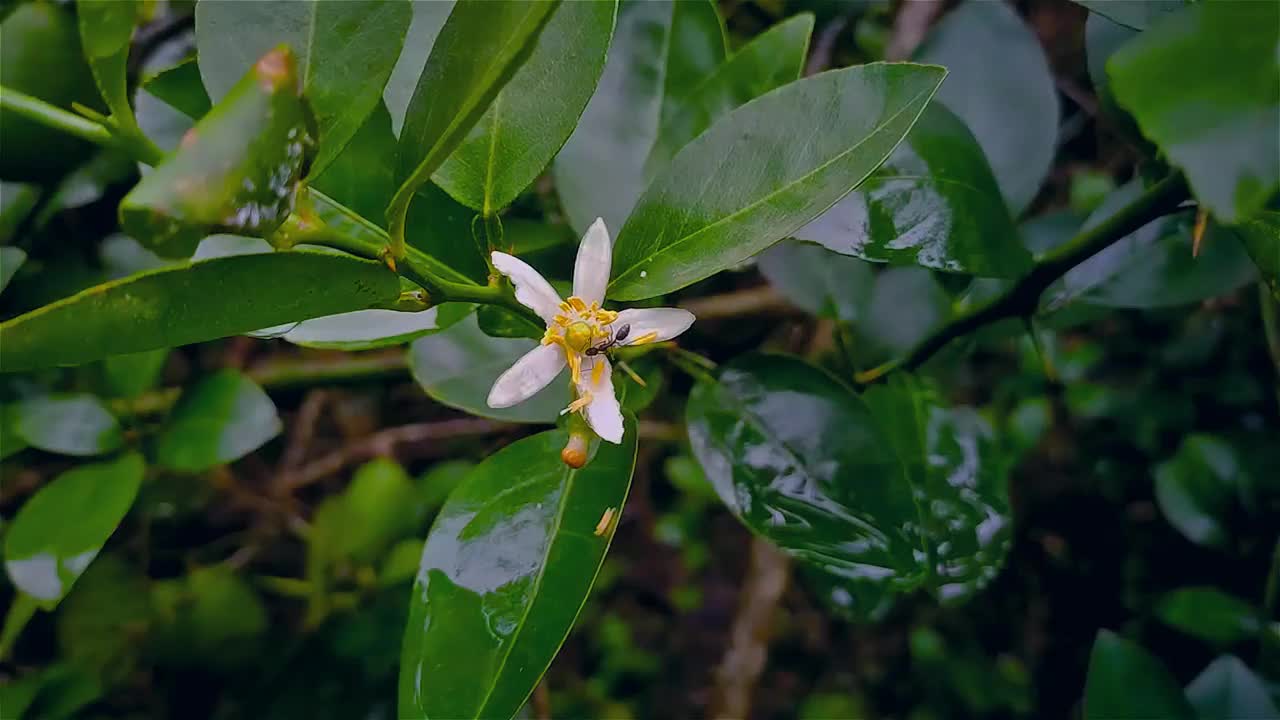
{"points": [[236, 170], [661, 51], [194, 302], [1153, 266], [1229, 689], [907, 303], [362, 176], [1198, 488], [1204, 85], [1001, 87], [346, 52], [17, 200], [222, 418], [10, 441], [819, 281], [479, 49], [506, 570], [379, 507], [100, 622], [771, 60], [211, 617], [133, 374], [535, 113], [1261, 238], [1136, 14], [106, 29], [888, 494], [60, 529], [458, 366], [11, 258], [1210, 614], [181, 88], [1124, 681], [429, 17], [933, 203], [372, 329], [439, 481], [502, 323], [716, 206], [67, 424]]}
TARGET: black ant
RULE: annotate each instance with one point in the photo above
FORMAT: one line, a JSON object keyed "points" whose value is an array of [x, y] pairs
{"points": [[603, 347]]}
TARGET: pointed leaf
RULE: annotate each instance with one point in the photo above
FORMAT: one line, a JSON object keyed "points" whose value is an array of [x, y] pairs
{"points": [[660, 52], [106, 29], [346, 52], [1124, 681], [429, 17], [60, 529], [716, 206], [222, 418], [1204, 85], [372, 329], [11, 258], [479, 49], [1210, 614], [193, 302], [67, 424], [1136, 14], [934, 203], [1229, 689], [1001, 87], [236, 170], [1198, 488], [535, 113], [506, 569]]}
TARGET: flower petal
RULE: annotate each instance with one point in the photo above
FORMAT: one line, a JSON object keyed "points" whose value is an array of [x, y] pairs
{"points": [[595, 256], [532, 372], [603, 414], [532, 290], [656, 324]]}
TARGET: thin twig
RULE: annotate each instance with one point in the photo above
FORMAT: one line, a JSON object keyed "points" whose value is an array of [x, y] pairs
{"points": [[304, 428], [825, 45], [752, 301], [744, 659]]}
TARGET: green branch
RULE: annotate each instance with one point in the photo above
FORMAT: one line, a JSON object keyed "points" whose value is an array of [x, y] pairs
{"points": [[1023, 298]]}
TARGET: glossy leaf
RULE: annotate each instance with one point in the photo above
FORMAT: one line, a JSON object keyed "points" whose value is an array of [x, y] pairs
{"points": [[236, 170], [716, 206], [479, 49], [840, 481], [819, 281], [371, 329], [193, 302], [906, 305], [506, 570], [11, 258], [934, 203], [222, 418], [60, 529], [1136, 14], [1001, 87], [771, 60], [1261, 237], [458, 366], [535, 113], [1197, 489], [346, 52], [1204, 85], [1154, 267], [67, 424], [106, 29], [1229, 689], [1124, 681], [660, 52], [1210, 614]]}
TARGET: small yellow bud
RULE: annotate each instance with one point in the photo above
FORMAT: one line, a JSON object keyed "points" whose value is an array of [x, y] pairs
{"points": [[574, 453]]}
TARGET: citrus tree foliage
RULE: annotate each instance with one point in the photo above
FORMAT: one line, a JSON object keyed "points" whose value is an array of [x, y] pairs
{"points": [[392, 185]]}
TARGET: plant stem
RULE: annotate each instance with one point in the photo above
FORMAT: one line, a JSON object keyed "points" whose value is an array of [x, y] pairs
{"points": [[1023, 298]]}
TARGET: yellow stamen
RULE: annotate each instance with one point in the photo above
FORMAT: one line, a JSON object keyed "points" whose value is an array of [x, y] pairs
{"points": [[632, 374], [577, 303], [606, 317], [561, 320], [575, 365], [583, 401], [597, 372], [645, 339], [607, 521], [566, 307]]}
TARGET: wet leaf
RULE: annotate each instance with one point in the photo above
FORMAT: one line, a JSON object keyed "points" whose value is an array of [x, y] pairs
{"points": [[67, 424], [235, 171], [1204, 85], [60, 529], [934, 203], [458, 366], [345, 50], [222, 418], [884, 493], [1001, 87], [372, 329], [660, 52], [715, 207], [1229, 689], [1124, 681], [534, 114], [507, 567], [819, 281], [478, 51], [194, 302]]}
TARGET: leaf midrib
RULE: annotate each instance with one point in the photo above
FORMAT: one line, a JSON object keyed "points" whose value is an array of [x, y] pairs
{"points": [[633, 268]]}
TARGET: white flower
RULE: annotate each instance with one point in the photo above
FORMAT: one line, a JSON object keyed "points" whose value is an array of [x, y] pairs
{"points": [[579, 333]]}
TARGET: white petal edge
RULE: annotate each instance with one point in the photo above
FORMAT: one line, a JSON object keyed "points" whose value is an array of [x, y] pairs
{"points": [[603, 414], [666, 322], [532, 372], [591, 269], [532, 290]]}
